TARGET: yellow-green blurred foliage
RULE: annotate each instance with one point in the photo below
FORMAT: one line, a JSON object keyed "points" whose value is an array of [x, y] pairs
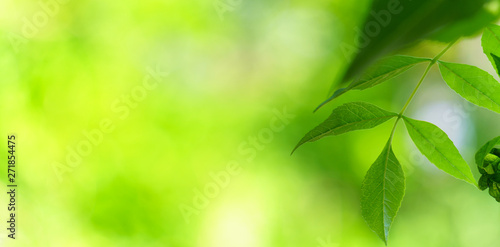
{"points": [[222, 73]]}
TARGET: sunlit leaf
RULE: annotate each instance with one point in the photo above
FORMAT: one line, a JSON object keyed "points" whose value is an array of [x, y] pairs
{"points": [[439, 149], [491, 44], [382, 192], [473, 84]]}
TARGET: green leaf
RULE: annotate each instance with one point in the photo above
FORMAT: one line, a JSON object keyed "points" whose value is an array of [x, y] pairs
{"points": [[439, 149], [467, 27], [348, 117], [495, 191], [496, 61], [386, 69], [485, 150], [392, 25], [488, 161], [382, 71], [484, 182], [473, 84], [491, 44], [382, 191]]}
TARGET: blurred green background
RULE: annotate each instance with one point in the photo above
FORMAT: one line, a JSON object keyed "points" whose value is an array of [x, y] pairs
{"points": [[189, 89]]}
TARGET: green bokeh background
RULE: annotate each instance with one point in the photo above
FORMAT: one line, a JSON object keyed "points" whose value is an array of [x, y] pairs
{"points": [[228, 73]]}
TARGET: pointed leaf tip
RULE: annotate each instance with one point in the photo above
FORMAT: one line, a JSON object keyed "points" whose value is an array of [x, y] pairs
{"points": [[434, 144], [383, 190]]}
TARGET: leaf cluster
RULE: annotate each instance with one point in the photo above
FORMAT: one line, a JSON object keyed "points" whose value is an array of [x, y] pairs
{"points": [[383, 187], [488, 164]]}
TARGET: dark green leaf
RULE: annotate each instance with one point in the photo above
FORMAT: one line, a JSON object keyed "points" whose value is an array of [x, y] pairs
{"points": [[439, 149], [382, 192], [485, 150], [496, 151], [484, 181], [495, 190], [496, 61], [473, 84], [391, 25], [466, 27], [488, 161], [348, 117]]}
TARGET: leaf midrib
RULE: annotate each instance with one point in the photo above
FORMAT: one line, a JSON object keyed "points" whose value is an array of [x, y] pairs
{"points": [[385, 178]]}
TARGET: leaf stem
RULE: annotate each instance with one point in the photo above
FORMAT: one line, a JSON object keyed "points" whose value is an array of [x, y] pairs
{"points": [[416, 88], [432, 62]]}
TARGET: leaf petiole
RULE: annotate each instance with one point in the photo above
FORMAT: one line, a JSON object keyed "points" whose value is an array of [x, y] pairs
{"points": [[431, 63]]}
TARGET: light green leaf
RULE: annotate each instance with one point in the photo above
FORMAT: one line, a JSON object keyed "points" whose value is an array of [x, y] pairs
{"points": [[383, 70], [382, 191], [481, 153], [439, 149], [491, 44], [473, 84], [348, 117]]}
